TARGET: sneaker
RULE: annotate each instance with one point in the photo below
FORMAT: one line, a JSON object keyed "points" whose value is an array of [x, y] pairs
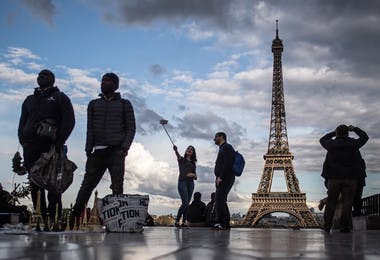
{"points": [[184, 225], [176, 224], [217, 226]]}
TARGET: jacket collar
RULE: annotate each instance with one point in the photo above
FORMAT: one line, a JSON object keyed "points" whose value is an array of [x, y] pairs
{"points": [[45, 92], [116, 96]]}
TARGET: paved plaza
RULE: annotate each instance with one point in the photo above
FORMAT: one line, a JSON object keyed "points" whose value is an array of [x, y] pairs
{"points": [[193, 243]]}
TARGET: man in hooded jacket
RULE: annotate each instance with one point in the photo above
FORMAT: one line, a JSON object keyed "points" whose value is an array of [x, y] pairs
{"points": [[47, 104]]}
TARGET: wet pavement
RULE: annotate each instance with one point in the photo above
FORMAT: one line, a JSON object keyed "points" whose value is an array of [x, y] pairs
{"points": [[193, 243]]}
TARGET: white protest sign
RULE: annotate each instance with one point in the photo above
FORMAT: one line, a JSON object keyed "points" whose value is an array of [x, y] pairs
{"points": [[123, 213]]}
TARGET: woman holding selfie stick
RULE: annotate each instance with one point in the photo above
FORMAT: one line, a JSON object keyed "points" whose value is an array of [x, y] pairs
{"points": [[187, 175]]}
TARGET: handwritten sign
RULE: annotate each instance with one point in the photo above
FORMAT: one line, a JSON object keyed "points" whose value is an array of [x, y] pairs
{"points": [[123, 213]]}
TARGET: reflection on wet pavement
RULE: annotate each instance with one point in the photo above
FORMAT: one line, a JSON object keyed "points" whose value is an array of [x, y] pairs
{"points": [[193, 243]]}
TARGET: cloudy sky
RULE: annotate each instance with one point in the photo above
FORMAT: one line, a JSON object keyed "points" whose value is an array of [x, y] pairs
{"points": [[205, 66]]}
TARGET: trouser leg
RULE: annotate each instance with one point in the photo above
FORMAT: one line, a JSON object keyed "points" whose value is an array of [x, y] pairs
{"points": [[34, 192], [348, 193], [55, 200], [116, 166], [189, 190], [32, 153], [221, 207], [333, 191], [358, 199], [95, 168], [183, 193]]}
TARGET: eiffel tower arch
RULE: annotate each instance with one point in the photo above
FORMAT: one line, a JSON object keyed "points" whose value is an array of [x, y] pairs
{"points": [[279, 158]]}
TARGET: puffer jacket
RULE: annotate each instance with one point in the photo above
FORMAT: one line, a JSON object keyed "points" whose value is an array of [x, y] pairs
{"points": [[110, 122]]}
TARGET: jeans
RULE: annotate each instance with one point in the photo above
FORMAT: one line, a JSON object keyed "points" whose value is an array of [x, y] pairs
{"points": [[98, 162], [347, 188], [185, 190], [221, 207]]}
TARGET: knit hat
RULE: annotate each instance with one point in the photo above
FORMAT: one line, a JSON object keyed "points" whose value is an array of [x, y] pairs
{"points": [[113, 77]]}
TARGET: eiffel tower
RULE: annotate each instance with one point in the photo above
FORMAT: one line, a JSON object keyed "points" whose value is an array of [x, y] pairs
{"points": [[277, 158]]}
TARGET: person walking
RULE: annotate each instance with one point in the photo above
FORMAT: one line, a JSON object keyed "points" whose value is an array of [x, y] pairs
{"points": [[342, 169], [47, 108], [111, 128], [186, 177], [224, 181]]}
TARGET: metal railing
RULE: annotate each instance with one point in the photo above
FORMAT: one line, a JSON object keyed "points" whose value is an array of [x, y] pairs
{"points": [[371, 205]]}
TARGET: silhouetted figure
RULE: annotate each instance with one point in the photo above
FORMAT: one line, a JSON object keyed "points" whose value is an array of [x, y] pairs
{"points": [[342, 169], [111, 128], [197, 210], [225, 179], [186, 177], [7, 206], [47, 119], [210, 212]]}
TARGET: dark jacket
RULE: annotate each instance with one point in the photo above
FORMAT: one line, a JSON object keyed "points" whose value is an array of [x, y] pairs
{"points": [[210, 216], [110, 122], [343, 158], [47, 104], [224, 161], [197, 210]]}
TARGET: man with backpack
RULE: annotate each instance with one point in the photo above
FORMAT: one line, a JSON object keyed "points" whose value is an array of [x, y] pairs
{"points": [[225, 178], [111, 128], [47, 119]]}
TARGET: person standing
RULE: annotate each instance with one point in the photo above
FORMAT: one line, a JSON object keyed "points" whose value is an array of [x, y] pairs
{"points": [[50, 107], [111, 128], [224, 181], [342, 169], [186, 177]]}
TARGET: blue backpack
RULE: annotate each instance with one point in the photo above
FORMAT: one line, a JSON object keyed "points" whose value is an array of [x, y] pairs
{"points": [[238, 165]]}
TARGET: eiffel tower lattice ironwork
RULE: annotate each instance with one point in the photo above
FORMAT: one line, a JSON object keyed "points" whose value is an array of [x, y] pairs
{"points": [[277, 158]]}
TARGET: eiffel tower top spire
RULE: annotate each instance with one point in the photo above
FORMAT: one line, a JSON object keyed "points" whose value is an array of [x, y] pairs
{"points": [[277, 42], [278, 137], [276, 29]]}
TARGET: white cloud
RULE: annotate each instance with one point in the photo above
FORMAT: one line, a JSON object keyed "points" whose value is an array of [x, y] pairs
{"points": [[83, 83], [34, 66], [21, 53], [16, 76], [146, 174], [196, 32]]}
